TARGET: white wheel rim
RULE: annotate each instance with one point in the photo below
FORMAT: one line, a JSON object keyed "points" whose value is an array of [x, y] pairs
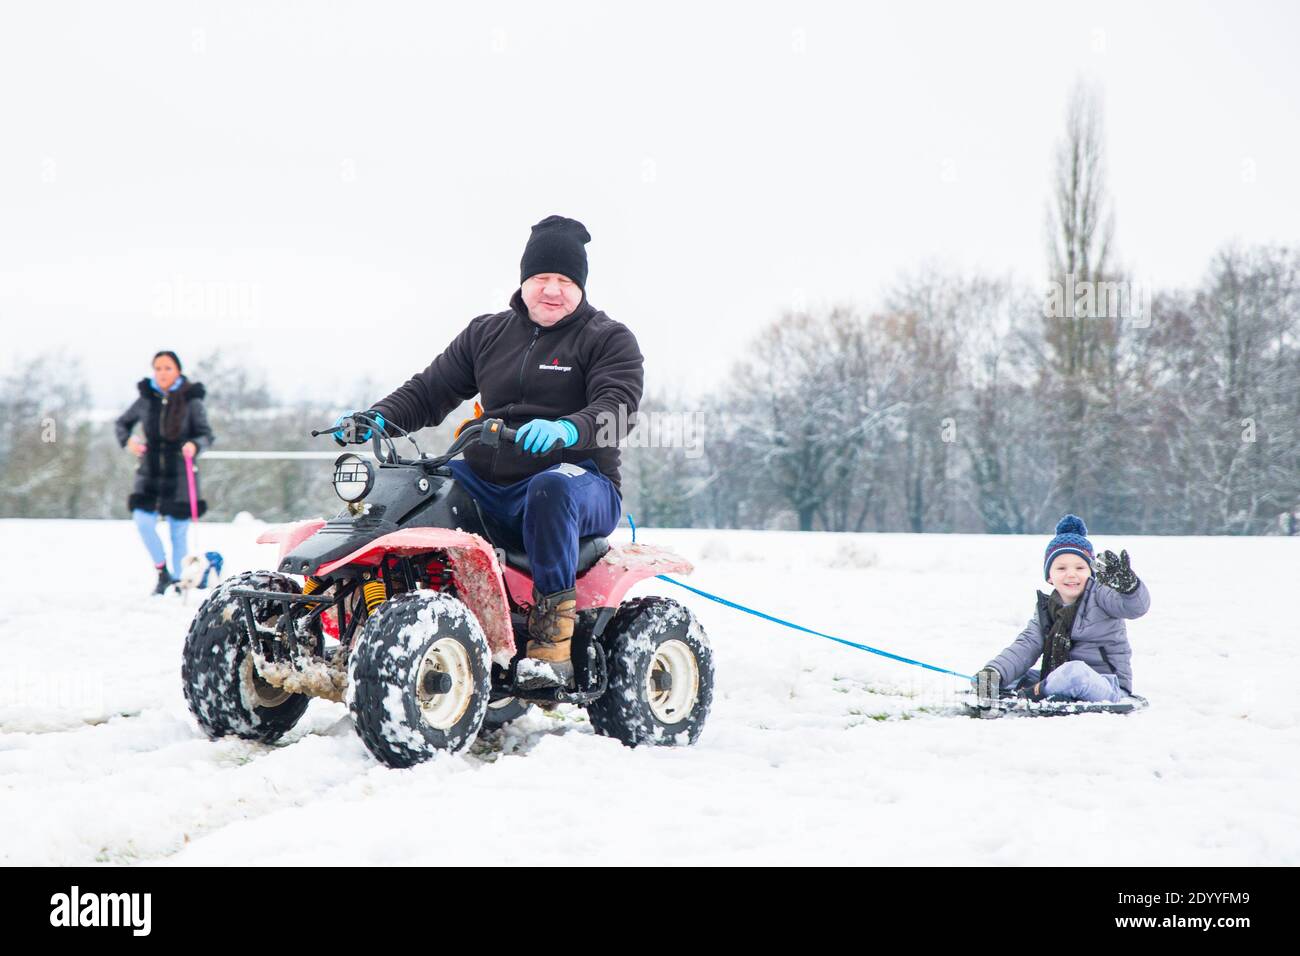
{"points": [[444, 711], [259, 692], [673, 704]]}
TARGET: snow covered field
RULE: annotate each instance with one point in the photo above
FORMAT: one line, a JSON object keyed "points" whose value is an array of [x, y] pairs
{"points": [[813, 752]]}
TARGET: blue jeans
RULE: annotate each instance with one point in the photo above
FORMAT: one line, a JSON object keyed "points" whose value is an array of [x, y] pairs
{"points": [[1077, 681], [548, 512], [146, 522]]}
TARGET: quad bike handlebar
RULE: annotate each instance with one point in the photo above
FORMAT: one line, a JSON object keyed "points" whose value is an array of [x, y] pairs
{"points": [[490, 431]]}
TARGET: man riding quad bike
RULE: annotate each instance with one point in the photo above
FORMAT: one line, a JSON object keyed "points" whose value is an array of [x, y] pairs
{"points": [[458, 586]]}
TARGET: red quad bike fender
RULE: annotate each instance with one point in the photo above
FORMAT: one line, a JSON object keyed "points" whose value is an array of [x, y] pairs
{"points": [[289, 536], [473, 562], [606, 582]]}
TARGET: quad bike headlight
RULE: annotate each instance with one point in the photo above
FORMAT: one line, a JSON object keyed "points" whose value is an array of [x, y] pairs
{"points": [[353, 477]]}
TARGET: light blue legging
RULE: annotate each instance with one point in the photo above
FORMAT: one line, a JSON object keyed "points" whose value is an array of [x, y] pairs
{"points": [[1077, 681], [146, 522]]}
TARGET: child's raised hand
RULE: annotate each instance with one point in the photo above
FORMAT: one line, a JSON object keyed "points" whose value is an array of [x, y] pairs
{"points": [[1114, 572]]}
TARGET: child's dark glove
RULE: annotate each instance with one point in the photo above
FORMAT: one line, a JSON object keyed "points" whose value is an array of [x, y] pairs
{"points": [[1115, 573], [1032, 692], [988, 684]]}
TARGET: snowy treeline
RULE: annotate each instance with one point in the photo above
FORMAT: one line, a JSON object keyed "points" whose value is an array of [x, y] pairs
{"points": [[961, 407], [957, 406]]}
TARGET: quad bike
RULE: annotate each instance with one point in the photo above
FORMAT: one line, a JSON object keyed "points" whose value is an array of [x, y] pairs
{"points": [[413, 609]]}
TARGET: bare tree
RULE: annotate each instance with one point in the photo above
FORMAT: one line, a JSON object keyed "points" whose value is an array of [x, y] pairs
{"points": [[1228, 390], [1080, 360], [924, 323], [1080, 221], [46, 468], [807, 400]]}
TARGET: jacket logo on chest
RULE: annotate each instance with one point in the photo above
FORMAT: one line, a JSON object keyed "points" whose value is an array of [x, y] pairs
{"points": [[555, 366]]}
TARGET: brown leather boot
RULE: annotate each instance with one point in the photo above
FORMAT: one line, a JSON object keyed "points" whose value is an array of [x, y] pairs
{"points": [[550, 633]]}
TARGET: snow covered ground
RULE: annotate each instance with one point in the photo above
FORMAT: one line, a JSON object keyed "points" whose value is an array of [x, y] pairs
{"points": [[813, 752]]}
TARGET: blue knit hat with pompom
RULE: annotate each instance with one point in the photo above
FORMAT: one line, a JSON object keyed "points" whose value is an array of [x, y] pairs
{"points": [[1071, 538]]}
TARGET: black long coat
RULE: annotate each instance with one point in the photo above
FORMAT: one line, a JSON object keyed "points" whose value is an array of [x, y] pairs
{"points": [[168, 422]]}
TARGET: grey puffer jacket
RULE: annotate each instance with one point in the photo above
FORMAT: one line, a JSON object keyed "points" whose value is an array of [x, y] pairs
{"points": [[1099, 637]]}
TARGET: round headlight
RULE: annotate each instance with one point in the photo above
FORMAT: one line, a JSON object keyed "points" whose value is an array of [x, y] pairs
{"points": [[353, 477]]}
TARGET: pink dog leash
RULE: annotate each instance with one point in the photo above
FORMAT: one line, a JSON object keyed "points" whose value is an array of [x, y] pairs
{"points": [[194, 495]]}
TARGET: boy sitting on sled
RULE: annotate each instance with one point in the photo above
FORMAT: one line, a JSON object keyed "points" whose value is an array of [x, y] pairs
{"points": [[1079, 631]]}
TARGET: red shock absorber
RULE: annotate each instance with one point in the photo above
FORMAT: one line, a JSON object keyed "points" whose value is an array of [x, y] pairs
{"points": [[439, 574]]}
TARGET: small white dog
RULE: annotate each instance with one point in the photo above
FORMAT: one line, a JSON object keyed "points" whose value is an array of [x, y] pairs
{"points": [[192, 574]]}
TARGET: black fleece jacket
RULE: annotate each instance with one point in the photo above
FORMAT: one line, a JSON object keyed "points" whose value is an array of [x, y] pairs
{"points": [[586, 368]]}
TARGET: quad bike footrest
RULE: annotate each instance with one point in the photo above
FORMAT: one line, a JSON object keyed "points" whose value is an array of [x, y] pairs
{"points": [[581, 693], [554, 695]]}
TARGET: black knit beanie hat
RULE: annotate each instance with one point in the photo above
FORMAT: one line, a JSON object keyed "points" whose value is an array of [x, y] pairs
{"points": [[557, 245]]}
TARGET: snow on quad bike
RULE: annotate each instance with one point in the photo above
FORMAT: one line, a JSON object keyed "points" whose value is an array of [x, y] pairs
{"points": [[412, 614]]}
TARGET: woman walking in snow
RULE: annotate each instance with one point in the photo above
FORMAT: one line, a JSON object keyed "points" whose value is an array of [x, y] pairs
{"points": [[174, 423]]}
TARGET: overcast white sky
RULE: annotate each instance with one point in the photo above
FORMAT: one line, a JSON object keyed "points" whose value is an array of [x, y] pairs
{"points": [[349, 183]]}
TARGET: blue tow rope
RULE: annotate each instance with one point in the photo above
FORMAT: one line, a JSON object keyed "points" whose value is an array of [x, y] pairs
{"points": [[800, 627]]}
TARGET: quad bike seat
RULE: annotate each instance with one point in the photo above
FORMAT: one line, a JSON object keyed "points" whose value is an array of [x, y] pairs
{"points": [[590, 550]]}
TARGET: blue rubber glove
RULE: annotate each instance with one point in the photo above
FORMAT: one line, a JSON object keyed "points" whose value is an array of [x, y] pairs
{"points": [[358, 437], [538, 435]]}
